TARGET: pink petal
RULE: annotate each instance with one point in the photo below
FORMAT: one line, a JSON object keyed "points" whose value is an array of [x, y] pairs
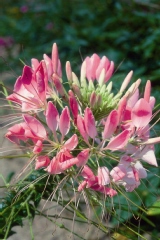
{"points": [[148, 155], [42, 161], [119, 141], [64, 121], [141, 113], [88, 174], [38, 147], [83, 158], [82, 185], [49, 67], [81, 127], [121, 108], [52, 116], [103, 176], [118, 172], [54, 167], [89, 122], [68, 164], [16, 133], [35, 126], [28, 80], [108, 191], [111, 124], [71, 143], [141, 170], [41, 80]]}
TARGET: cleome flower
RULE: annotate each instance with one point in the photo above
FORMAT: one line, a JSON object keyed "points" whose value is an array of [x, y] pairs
{"points": [[105, 139]]}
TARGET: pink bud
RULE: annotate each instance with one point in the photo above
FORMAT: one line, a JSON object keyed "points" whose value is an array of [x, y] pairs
{"points": [[147, 91], [73, 104], [69, 71], [55, 57], [58, 85]]}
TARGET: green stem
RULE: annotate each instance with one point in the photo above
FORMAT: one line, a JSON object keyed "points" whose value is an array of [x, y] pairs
{"points": [[29, 220]]}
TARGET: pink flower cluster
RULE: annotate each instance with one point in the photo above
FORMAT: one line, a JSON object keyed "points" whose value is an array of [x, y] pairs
{"points": [[104, 151]]}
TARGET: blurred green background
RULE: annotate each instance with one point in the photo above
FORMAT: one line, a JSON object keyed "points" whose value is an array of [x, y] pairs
{"points": [[126, 31]]}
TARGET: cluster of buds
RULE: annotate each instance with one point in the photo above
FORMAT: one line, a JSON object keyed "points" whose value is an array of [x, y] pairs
{"points": [[88, 132]]}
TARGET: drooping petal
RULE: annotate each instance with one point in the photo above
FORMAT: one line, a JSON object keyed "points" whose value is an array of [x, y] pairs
{"points": [[140, 169], [88, 174], [108, 191], [52, 116], [89, 122], [141, 113], [68, 164], [38, 147], [42, 161], [103, 176], [148, 155], [118, 172], [54, 167], [82, 157], [64, 121], [16, 133], [119, 141], [82, 185], [35, 126], [111, 124]]}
